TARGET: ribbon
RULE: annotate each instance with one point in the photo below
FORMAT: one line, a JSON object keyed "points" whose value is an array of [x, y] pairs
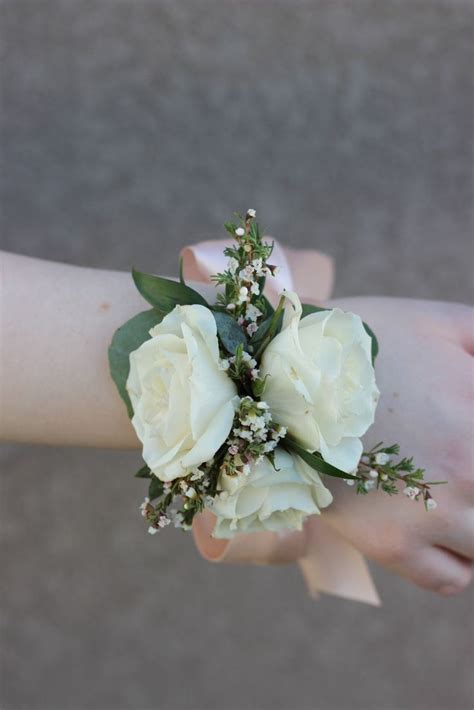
{"points": [[328, 561]]}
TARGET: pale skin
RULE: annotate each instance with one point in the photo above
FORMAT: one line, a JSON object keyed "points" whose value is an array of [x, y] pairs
{"points": [[57, 321]]}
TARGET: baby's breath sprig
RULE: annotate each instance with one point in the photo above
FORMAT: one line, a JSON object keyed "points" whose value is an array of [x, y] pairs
{"points": [[176, 501], [247, 270], [377, 470], [254, 435], [243, 369]]}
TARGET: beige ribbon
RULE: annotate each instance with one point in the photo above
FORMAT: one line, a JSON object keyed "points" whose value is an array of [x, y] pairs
{"points": [[328, 561]]}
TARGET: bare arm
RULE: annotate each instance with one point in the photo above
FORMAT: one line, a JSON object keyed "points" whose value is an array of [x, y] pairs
{"points": [[56, 324]]}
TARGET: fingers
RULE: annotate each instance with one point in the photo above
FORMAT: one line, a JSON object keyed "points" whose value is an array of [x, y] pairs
{"points": [[435, 569], [455, 535]]}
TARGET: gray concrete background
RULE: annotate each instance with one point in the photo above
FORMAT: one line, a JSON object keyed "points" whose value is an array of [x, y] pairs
{"points": [[129, 128]]}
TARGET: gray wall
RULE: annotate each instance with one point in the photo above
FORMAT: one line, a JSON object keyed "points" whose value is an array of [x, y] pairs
{"points": [[129, 128]]}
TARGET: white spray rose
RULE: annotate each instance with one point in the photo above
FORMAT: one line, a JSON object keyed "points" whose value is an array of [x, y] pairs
{"points": [[183, 402], [269, 499], [321, 382]]}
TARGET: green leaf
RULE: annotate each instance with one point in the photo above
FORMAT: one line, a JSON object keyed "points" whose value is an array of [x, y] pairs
{"points": [[230, 227], [155, 489], [268, 330], [375, 344], [316, 461], [268, 309], [126, 339], [258, 386], [143, 472], [165, 294], [260, 334], [309, 308], [230, 333]]}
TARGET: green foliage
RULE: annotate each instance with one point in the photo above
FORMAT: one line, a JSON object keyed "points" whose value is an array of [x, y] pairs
{"points": [[315, 460], [258, 386], [260, 334], [230, 333], [392, 450], [126, 339], [165, 294], [265, 306], [375, 342], [143, 472], [391, 474], [275, 322], [230, 227], [389, 487], [155, 489], [309, 308]]}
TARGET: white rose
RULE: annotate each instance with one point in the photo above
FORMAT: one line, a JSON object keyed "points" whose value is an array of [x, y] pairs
{"points": [[269, 499], [321, 382], [182, 400]]}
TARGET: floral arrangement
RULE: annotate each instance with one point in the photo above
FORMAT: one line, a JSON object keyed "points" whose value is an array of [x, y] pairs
{"points": [[242, 408]]}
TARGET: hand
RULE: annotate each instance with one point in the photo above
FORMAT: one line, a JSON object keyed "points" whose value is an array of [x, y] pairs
{"points": [[424, 372]]}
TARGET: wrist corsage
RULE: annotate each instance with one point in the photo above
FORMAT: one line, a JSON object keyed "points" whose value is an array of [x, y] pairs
{"points": [[245, 409]]}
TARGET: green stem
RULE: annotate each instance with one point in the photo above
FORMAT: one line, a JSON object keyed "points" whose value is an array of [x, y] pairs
{"points": [[272, 328]]}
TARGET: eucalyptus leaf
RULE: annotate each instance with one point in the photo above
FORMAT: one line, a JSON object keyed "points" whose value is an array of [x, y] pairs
{"points": [[144, 472], [316, 461], [260, 334], [165, 294], [267, 306], [126, 339], [155, 489], [309, 308], [375, 343], [230, 333]]}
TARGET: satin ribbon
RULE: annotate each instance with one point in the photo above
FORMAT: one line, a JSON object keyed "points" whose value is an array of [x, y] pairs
{"points": [[329, 563]]}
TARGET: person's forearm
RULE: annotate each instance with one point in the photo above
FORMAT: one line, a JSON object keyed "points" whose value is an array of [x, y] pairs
{"points": [[56, 324], [57, 321]]}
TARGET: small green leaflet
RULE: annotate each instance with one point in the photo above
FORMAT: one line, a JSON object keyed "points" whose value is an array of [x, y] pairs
{"points": [[229, 331], [375, 342], [260, 334], [269, 310], [126, 339], [309, 308], [165, 294], [143, 472], [315, 460], [230, 227], [268, 329], [155, 489]]}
